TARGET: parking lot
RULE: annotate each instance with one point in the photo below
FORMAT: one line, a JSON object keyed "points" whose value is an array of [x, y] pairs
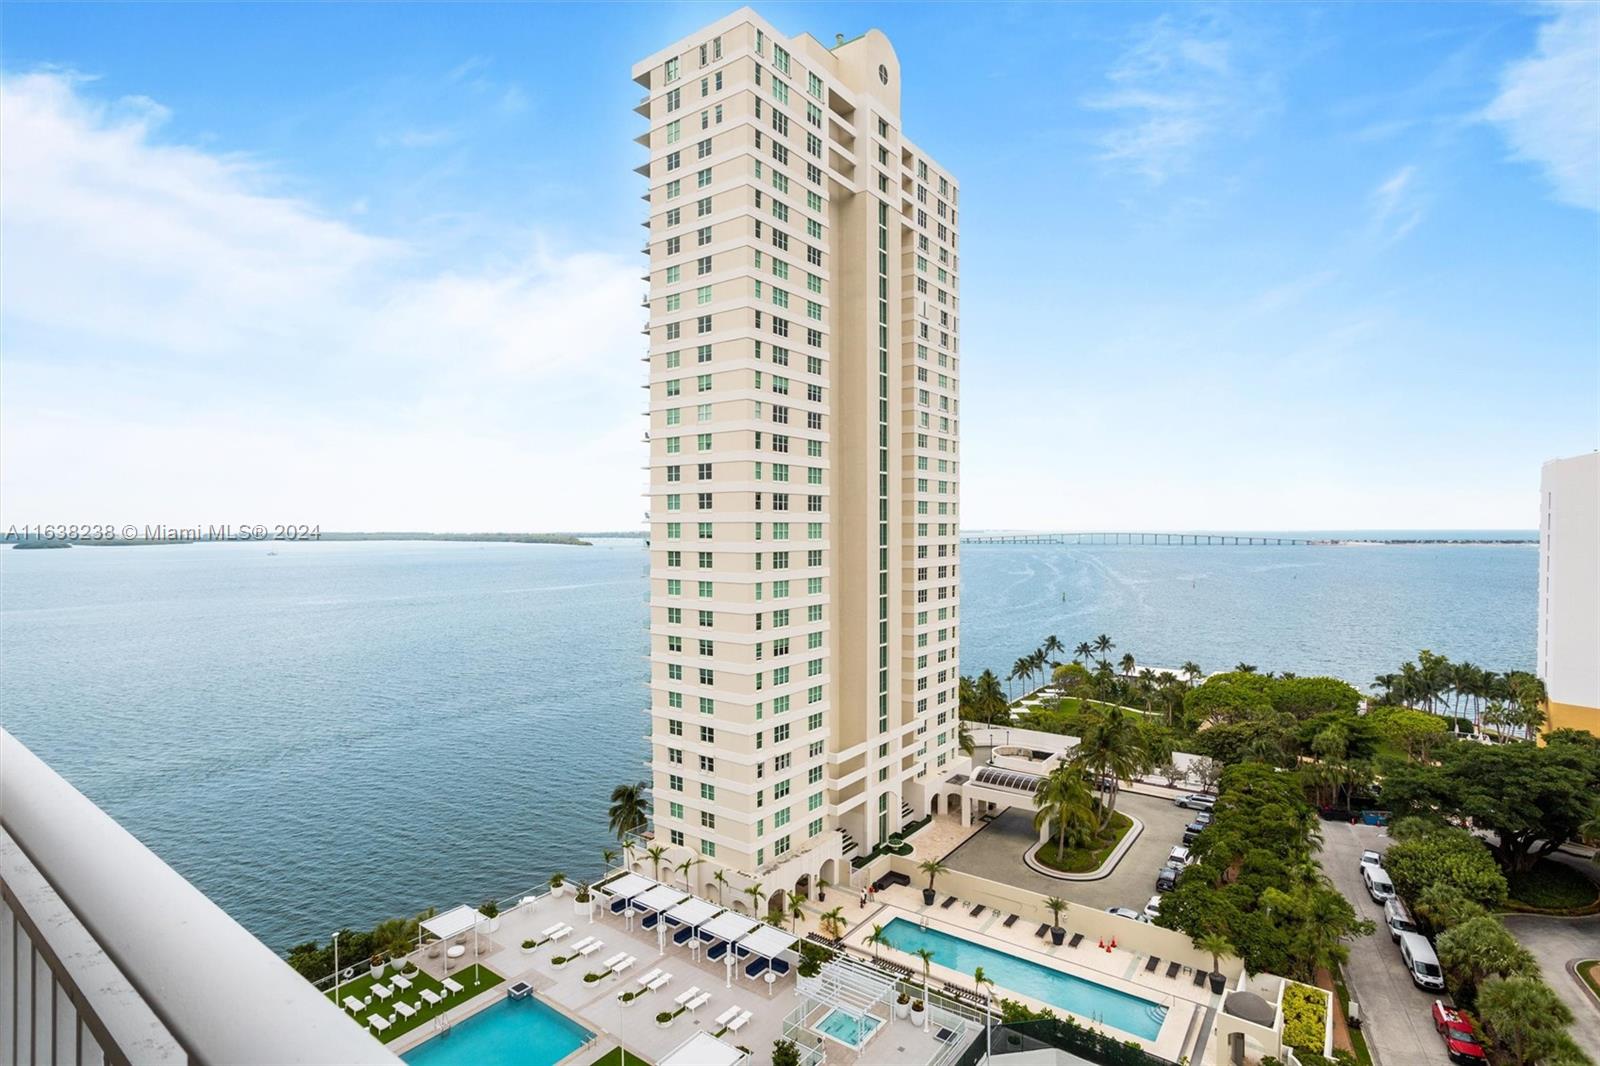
{"points": [[996, 851], [1394, 1011]]}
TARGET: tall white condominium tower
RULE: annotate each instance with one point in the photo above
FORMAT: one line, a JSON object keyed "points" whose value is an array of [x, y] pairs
{"points": [[1569, 591], [804, 457]]}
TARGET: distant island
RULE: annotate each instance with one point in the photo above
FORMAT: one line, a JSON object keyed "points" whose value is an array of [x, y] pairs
{"points": [[197, 535]]}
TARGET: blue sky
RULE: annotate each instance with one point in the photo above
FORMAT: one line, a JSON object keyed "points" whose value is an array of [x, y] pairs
{"points": [[376, 266]]}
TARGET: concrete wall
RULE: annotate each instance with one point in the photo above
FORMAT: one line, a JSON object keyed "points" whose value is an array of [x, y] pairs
{"points": [[1569, 590]]}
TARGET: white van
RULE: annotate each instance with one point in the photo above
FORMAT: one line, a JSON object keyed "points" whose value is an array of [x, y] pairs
{"points": [[1423, 964], [1397, 918], [1379, 887]]}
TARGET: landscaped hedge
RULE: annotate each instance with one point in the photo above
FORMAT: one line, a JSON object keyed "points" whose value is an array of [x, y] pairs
{"points": [[1305, 1017]]}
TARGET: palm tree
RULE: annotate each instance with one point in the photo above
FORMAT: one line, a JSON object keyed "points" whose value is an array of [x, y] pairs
{"points": [[1192, 671], [1019, 669], [629, 809], [927, 974], [991, 700], [933, 868], [754, 892], [1055, 907], [722, 884], [833, 922], [608, 856], [1053, 645], [686, 868], [1112, 749], [1519, 1013], [797, 910], [1063, 799], [1216, 945], [656, 853], [964, 738], [1103, 645], [1127, 662], [1083, 651], [1244, 668], [877, 939]]}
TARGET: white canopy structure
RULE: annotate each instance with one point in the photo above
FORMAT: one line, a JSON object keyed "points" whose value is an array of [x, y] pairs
{"points": [[627, 886], [693, 912], [727, 926], [703, 1049], [766, 941], [452, 922], [659, 898]]}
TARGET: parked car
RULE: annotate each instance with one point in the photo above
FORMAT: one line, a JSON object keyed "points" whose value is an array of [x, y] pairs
{"points": [[1460, 1037], [1421, 962], [1397, 918], [1178, 856], [1379, 887], [1370, 858], [1152, 908], [1167, 879], [1196, 801], [1106, 784], [1192, 830], [1203, 817], [1125, 912]]}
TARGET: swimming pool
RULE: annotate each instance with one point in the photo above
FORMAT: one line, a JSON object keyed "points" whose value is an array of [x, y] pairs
{"points": [[843, 1026], [1087, 999], [521, 1032]]}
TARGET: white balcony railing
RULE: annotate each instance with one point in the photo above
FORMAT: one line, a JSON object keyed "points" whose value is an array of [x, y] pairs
{"points": [[108, 955]]}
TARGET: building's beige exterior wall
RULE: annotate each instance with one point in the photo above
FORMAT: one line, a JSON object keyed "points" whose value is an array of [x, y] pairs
{"points": [[804, 434], [1569, 591]]}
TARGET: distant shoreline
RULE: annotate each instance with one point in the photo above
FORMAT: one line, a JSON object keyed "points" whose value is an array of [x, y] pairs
{"points": [[196, 536]]}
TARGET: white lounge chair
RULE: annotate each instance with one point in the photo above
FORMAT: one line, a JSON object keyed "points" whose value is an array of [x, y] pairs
{"points": [[400, 982], [378, 1022], [697, 1002], [727, 1016], [431, 997], [550, 932], [658, 982], [624, 965], [403, 1010], [452, 984], [577, 949], [685, 997], [613, 960], [651, 976], [382, 991], [739, 1022], [562, 933], [591, 948]]}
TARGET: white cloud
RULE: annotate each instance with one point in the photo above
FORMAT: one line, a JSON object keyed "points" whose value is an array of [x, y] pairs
{"points": [[1549, 104], [184, 337], [1396, 204]]}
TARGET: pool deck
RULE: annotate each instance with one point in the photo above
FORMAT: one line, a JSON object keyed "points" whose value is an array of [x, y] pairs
{"points": [[632, 1025], [1118, 969]]}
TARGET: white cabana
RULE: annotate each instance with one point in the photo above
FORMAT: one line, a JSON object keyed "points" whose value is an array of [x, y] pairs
{"points": [[659, 898], [453, 922], [703, 1049], [627, 886], [693, 912], [728, 926], [766, 941]]}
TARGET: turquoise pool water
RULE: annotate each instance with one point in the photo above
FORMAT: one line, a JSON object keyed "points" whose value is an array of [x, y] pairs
{"points": [[1120, 1010], [842, 1027], [513, 1032]]}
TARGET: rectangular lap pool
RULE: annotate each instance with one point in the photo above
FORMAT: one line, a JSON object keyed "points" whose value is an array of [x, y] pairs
{"points": [[1087, 999], [522, 1032]]}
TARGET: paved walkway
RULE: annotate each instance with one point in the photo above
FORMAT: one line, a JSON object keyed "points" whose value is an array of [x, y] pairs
{"points": [[1556, 942]]}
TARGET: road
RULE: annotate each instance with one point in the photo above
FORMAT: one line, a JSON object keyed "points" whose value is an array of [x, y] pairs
{"points": [[1556, 942], [1394, 1012]]}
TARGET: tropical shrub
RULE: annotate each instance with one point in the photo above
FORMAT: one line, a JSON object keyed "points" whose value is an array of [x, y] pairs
{"points": [[1445, 855], [1305, 1016]]}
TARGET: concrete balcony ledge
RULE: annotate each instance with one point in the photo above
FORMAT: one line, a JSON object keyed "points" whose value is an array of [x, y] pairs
{"points": [[108, 954]]}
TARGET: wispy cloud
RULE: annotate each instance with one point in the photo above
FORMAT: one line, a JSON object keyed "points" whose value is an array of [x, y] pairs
{"points": [[1176, 86], [324, 364], [1396, 204], [417, 138], [1549, 104]]}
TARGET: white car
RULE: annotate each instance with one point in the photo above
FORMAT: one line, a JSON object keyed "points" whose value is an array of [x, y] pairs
{"points": [[1126, 912], [1369, 858], [1152, 908], [1178, 856]]}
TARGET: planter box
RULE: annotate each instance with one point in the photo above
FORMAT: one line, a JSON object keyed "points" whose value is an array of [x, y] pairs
{"points": [[901, 1010], [586, 908], [530, 951]]}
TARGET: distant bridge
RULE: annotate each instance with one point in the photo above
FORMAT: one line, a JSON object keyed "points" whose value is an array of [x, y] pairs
{"points": [[1133, 538]]}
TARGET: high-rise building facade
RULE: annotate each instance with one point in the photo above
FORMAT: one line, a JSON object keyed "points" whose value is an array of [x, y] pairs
{"points": [[1569, 591], [804, 353]]}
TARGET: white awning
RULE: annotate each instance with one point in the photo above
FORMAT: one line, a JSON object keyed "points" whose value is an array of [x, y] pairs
{"points": [[627, 886], [452, 922], [693, 912], [659, 898], [766, 942], [727, 926], [703, 1049]]}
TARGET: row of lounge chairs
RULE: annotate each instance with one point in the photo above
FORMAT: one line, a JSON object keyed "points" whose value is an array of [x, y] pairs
{"points": [[379, 1022], [732, 1020], [1044, 930], [1153, 963], [649, 982]]}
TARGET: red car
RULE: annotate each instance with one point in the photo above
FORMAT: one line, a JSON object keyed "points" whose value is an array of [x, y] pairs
{"points": [[1460, 1038]]}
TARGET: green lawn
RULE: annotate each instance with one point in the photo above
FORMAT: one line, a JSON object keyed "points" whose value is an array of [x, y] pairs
{"points": [[1553, 886], [1358, 1039], [618, 1057], [473, 979], [1590, 972], [1082, 860]]}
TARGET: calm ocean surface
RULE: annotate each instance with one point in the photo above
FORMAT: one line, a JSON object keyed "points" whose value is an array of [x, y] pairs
{"points": [[342, 732]]}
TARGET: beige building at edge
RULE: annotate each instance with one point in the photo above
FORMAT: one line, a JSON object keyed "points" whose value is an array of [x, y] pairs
{"points": [[804, 457], [1569, 591]]}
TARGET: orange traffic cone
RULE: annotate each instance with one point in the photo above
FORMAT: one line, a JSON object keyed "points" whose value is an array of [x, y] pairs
{"points": [[1113, 941], [1102, 943]]}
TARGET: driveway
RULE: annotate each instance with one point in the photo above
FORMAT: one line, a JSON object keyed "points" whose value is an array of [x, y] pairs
{"points": [[1556, 942], [996, 851], [1394, 1012]]}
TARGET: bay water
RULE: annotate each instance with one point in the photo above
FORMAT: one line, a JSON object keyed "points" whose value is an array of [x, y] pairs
{"points": [[327, 734]]}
